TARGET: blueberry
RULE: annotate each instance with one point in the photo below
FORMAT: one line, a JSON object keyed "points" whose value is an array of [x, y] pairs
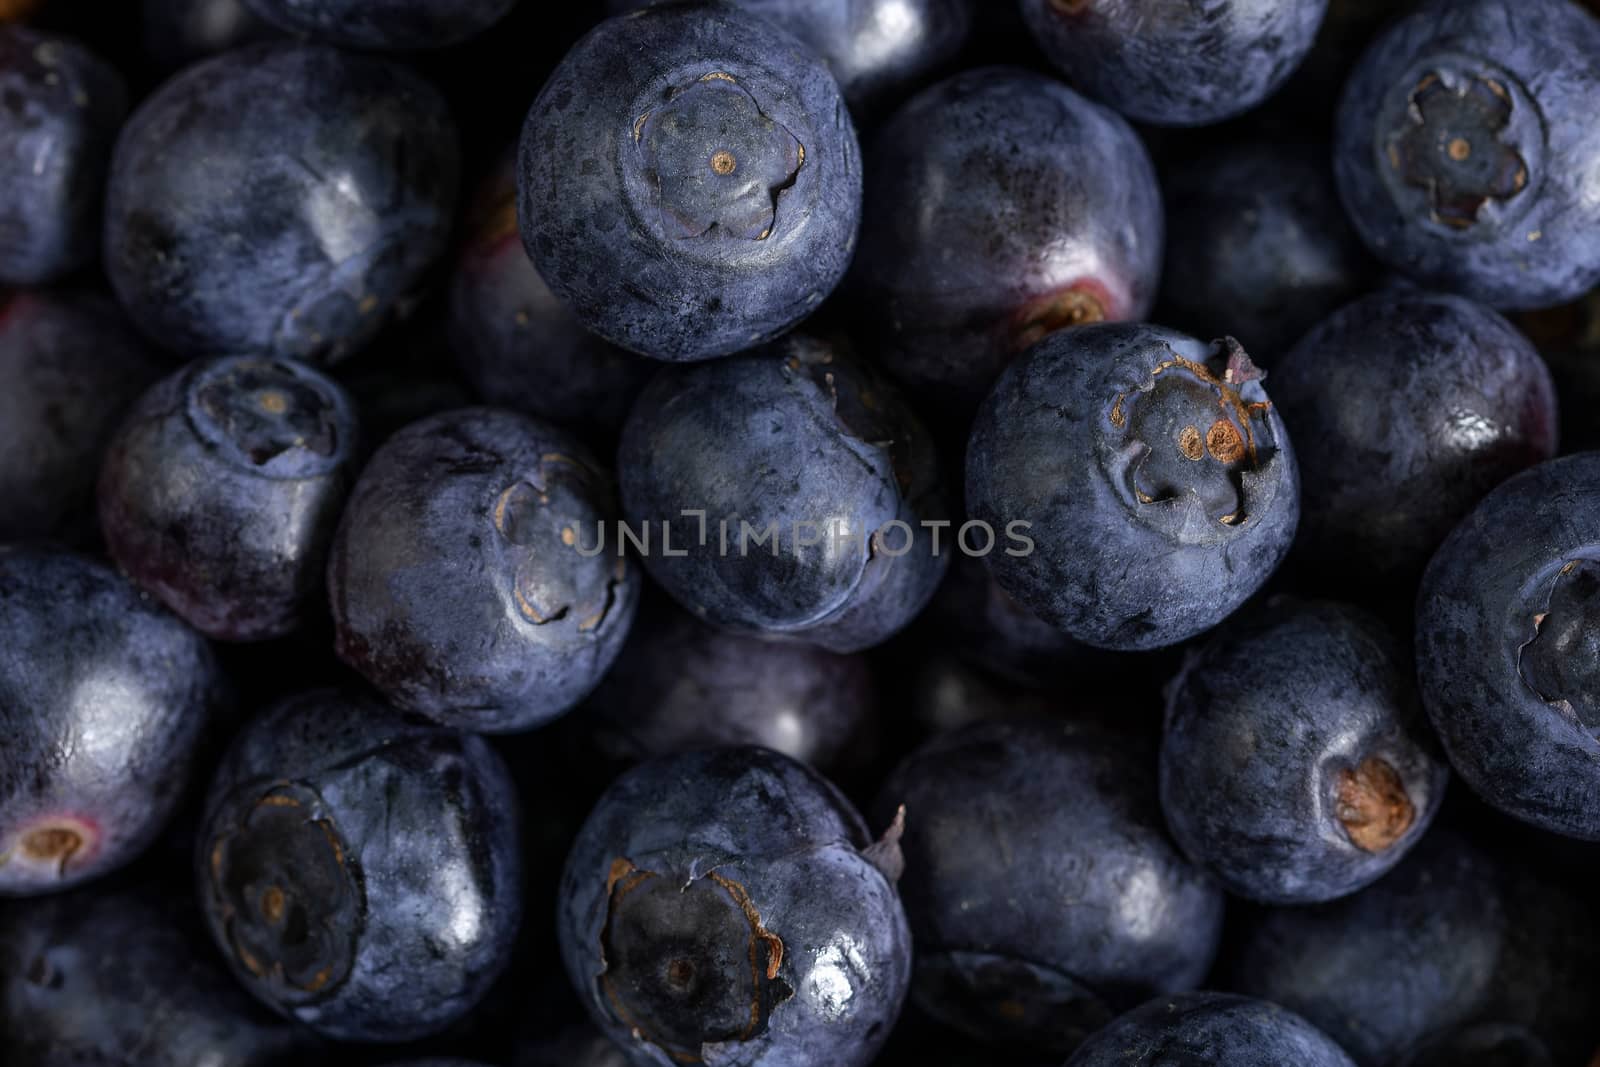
{"points": [[222, 489], [1408, 407], [112, 979], [1465, 149], [180, 32], [680, 685], [1296, 765], [726, 906], [1151, 474], [1176, 62], [71, 363], [103, 701], [1383, 969], [1258, 245], [1506, 646], [1043, 894], [361, 872], [812, 480], [1000, 206], [390, 24], [60, 108], [875, 48], [689, 181], [518, 344], [466, 578], [279, 200], [1210, 1030]]}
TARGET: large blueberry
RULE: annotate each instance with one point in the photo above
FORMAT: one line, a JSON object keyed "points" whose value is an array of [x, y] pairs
{"points": [[787, 490], [394, 24], [1466, 149], [360, 871], [1176, 62], [1258, 246], [60, 109], [1506, 646], [1043, 893], [689, 181], [1407, 406], [680, 684], [1000, 206], [518, 344], [70, 364], [1210, 1030], [222, 489], [104, 698], [279, 200], [1150, 473], [116, 979], [1296, 764], [726, 906], [1383, 969], [875, 48], [467, 579]]}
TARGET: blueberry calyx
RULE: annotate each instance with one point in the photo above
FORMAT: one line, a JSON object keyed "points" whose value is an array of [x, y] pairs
{"points": [[1191, 433], [1077, 304], [1372, 805], [685, 966], [291, 902], [885, 853], [1453, 144], [256, 410], [1070, 7], [715, 161], [1558, 662], [524, 514]]}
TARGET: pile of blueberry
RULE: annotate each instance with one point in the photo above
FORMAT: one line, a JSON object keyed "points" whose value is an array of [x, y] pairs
{"points": [[799, 533]]}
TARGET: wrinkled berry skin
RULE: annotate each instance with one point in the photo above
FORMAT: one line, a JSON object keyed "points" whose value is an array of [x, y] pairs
{"points": [[1505, 646], [60, 108], [1156, 477], [680, 684], [456, 579], [1000, 206], [689, 181], [1466, 145], [1043, 893], [516, 342], [219, 240], [875, 48], [1408, 407], [1296, 764], [798, 433], [1258, 247], [1381, 970], [1176, 62], [180, 32], [400, 25], [221, 492], [725, 905], [71, 364], [127, 979], [1210, 1030], [104, 697], [361, 871]]}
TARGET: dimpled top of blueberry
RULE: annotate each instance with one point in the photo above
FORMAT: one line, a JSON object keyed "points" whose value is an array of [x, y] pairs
{"points": [[1455, 139], [715, 162], [1185, 436], [269, 416], [1561, 662]]}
